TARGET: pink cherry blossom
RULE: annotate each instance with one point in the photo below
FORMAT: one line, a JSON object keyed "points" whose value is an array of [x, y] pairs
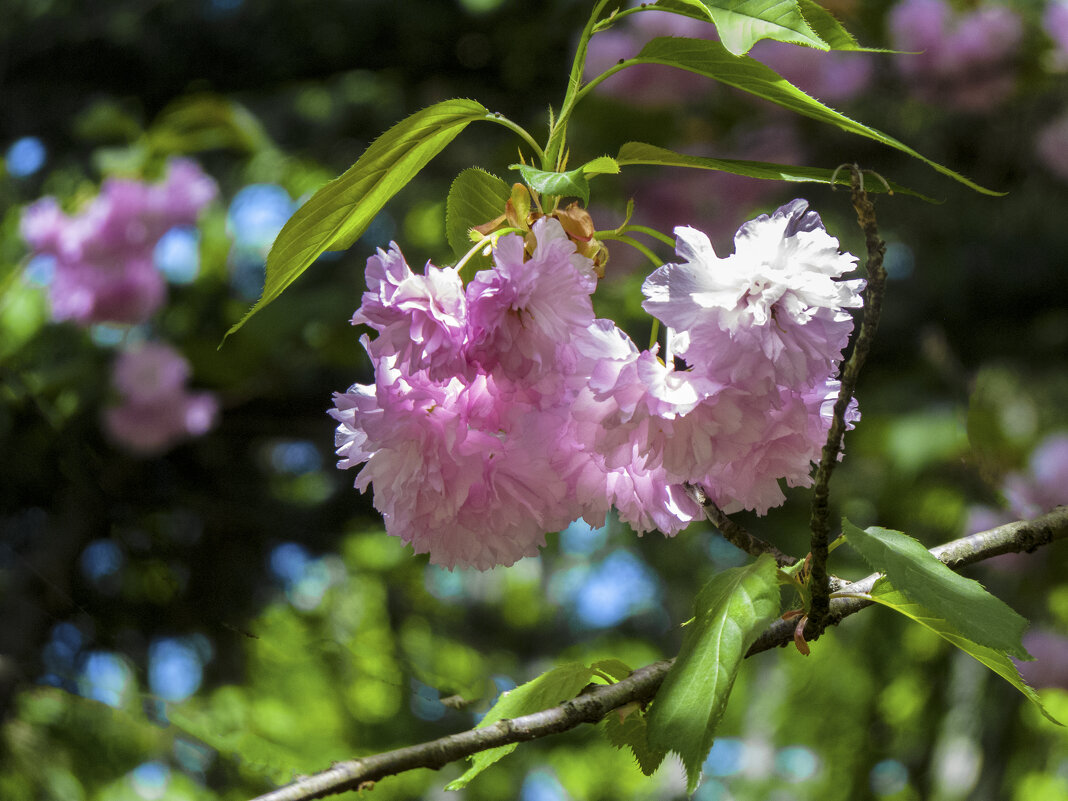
{"points": [[457, 473], [539, 414], [156, 411], [421, 319], [521, 311], [773, 313], [104, 268]]}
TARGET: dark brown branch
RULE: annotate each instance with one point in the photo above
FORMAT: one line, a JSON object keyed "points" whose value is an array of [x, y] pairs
{"points": [[590, 707], [873, 301], [736, 534]]}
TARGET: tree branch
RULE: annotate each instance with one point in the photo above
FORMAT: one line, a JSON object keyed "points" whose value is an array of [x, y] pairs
{"points": [[589, 707], [873, 301], [735, 533]]}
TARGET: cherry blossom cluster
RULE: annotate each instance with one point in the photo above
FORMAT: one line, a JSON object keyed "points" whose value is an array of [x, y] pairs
{"points": [[504, 409], [104, 270], [156, 410]]}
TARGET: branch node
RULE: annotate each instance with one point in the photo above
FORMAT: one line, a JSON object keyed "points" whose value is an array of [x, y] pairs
{"points": [[733, 532]]}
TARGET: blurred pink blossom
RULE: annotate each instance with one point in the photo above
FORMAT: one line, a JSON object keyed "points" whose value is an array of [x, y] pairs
{"points": [[104, 270], [651, 85], [1050, 665], [155, 410], [833, 77], [966, 59], [1051, 145], [1044, 484], [1055, 22]]}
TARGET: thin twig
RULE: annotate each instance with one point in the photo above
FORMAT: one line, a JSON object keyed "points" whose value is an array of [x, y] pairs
{"points": [[591, 706], [873, 299], [735, 533]]}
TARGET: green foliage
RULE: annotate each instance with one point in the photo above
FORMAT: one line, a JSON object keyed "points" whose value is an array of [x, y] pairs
{"points": [[963, 603], [627, 727], [336, 215], [742, 24], [886, 594], [572, 183], [729, 613], [642, 153], [548, 689], [475, 197], [715, 61], [827, 27]]}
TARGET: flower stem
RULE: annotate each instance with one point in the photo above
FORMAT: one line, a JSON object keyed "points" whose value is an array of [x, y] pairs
{"points": [[558, 131], [634, 243]]}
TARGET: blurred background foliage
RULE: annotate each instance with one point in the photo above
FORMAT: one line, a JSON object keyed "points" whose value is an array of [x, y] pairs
{"points": [[207, 622]]}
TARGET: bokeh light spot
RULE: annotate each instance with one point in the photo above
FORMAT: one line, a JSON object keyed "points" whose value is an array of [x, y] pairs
{"points": [[41, 270], [620, 586], [542, 785], [256, 215], [295, 457], [796, 763], [105, 678], [581, 538], [175, 669], [888, 777], [25, 156], [426, 702], [725, 758], [177, 254], [150, 780]]}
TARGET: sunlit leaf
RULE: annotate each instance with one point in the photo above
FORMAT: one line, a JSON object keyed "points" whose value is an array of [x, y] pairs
{"points": [[475, 197], [564, 184], [339, 212], [884, 593], [600, 166], [713, 60], [632, 153], [742, 23], [615, 668], [827, 27], [730, 612], [547, 690], [628, 728], [240, 743], [963, 603]]}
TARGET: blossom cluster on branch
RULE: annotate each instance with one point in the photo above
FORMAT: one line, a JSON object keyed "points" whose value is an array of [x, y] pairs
{"points": [[504, 409]]}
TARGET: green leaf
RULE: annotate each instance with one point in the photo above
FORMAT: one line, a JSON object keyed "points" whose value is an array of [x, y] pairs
{"points": [[564, 184], [884, 593], [827, 27], [336, 215], [602, 165], [961, 602], [642, 153], [548, 689], [239, 742], [615, 668], [742, 23], [713, 60], [730, 612], [475, 197], [627, 728]]}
